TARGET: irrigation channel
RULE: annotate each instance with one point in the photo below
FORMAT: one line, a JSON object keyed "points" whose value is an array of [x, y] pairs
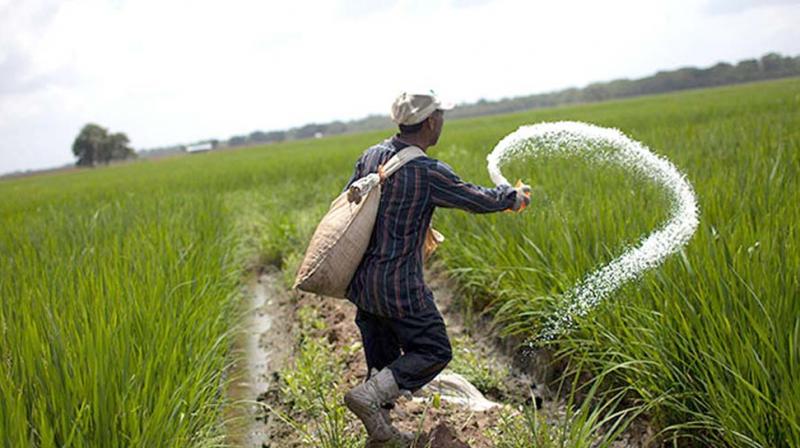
{"points": [[466, 418], [263, 345]]}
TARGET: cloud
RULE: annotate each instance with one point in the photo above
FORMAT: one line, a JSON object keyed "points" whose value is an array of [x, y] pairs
{"points": [[736, 6], [469, 3], [18, 75], [177, 71], [362, 8]]}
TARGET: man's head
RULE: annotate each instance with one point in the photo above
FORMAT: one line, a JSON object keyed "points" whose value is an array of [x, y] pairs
{"points": [[420, 115]]}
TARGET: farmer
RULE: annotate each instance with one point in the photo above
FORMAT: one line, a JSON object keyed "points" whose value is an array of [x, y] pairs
{"points": [[404, 337]]}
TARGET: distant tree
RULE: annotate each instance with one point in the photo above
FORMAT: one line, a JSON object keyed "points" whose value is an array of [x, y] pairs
{"points": [[722, 73], [237, 140], [335, 127], [94, 145], [257, 137], [276, 136], [748, 70], [776, 65], [596, 92], [116, 147], [88, 145], [308, 130]]}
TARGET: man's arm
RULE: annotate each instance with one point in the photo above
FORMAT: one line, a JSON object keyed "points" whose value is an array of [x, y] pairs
{"points": [[356, 174], [448, 190]]}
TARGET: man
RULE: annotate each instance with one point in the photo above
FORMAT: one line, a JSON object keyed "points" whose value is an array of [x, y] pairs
{"points": [[403, 333]]}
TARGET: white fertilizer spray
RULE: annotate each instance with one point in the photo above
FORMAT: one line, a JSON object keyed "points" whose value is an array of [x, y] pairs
{"points": [[605, 146]]}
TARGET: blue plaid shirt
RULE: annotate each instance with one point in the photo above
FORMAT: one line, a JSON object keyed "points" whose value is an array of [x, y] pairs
{"points": [[389, 281]]}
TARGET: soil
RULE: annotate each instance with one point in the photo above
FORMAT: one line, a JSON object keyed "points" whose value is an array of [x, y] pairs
{"points": [[447, 426]]}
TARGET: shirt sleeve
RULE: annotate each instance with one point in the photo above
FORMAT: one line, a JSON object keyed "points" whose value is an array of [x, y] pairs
{"points": [[356, 174], [449, 191]]}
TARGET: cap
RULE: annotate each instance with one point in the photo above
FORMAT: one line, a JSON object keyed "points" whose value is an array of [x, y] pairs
{"points": [[412, 108]]}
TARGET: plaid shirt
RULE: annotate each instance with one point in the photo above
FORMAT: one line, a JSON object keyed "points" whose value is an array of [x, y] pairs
{"points": [[389, 281]]}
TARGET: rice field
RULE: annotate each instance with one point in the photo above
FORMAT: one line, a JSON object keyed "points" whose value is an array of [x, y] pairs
{"points": [[120, 293]]}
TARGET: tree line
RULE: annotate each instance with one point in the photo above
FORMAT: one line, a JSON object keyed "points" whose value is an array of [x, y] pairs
{"points": [[769, 66]]}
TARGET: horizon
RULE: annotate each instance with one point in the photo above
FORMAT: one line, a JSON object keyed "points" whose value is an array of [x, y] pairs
{"points": [[151, 88]]}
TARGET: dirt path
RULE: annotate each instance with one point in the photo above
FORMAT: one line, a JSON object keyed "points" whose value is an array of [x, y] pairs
{"points": [[270, 341]]}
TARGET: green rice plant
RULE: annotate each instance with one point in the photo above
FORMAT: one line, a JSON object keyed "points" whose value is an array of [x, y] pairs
{"points": [[311, 389], [315, 368], [711, 336], [120, 287], [594, 414], [478, 369], [89, 295]]}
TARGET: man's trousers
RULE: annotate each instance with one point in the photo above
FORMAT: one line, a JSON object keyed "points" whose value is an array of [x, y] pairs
{"points": [[415, 348]]}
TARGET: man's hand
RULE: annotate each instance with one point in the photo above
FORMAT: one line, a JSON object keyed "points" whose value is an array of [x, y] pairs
{"points": [[354, 194], [523, 198]]}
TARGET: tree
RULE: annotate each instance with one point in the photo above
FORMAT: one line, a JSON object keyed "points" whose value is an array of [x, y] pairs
{"points": [[257, 137], [237, 140], [95, 145], [88, 144], [116, 147]]}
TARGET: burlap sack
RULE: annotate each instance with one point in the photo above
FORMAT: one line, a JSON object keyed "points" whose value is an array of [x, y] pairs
{"points": [[341, 238], [432, 241]]}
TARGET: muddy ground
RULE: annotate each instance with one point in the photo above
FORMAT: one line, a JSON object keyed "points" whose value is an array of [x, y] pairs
{"points": [[447, 426]]}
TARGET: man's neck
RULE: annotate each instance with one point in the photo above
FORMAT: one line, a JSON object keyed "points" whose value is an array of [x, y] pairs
{"points": [[413, 139]]}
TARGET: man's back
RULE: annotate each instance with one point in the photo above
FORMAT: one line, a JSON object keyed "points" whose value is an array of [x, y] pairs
{"points": [[389, 281]]}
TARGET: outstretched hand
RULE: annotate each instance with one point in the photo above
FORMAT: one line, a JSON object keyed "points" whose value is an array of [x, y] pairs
{"points": [[523, 198]]}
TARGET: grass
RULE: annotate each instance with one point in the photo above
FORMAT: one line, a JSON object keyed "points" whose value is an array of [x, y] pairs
{"points": [[114, 328], [477, 368], [597, 421], [119, 285], [311, 390], [120, 289], [713, 332]]}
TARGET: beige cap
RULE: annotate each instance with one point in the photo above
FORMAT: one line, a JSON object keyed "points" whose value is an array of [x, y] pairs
{"points": [[412, 108]]}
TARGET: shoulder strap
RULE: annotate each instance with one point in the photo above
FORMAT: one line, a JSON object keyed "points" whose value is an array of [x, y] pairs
{"points": [[361, 187], [401, 158]]}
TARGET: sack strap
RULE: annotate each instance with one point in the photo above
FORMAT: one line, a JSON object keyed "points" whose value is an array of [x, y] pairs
{"points": [[361, 187], [398, 160]]}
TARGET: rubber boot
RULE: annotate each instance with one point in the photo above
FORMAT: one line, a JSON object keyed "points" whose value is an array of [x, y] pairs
{"points": [[365, 401], [405, 437], [400, 438]]}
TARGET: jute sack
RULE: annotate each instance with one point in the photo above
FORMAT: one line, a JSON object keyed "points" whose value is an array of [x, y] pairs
{"points": [[342, 237]]}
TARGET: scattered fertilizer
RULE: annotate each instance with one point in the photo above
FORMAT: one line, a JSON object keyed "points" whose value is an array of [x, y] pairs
{"points": [[604, 146]]}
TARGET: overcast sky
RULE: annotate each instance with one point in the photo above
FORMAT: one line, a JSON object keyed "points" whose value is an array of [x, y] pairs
{"points": [[168, 72]]}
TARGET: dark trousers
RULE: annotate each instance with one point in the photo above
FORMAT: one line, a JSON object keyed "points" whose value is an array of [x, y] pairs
{"points": [[415, 348]]}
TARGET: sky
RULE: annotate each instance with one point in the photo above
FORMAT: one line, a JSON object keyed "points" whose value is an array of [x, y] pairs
{"points": [[171, 71]]}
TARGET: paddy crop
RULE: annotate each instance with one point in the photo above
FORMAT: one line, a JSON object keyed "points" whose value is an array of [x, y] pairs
{"points": [[712, 336], [121, 286], [120, 294]]}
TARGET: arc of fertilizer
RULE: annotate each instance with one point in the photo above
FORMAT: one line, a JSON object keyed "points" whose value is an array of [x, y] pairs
{"points": [[605, 146]]}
